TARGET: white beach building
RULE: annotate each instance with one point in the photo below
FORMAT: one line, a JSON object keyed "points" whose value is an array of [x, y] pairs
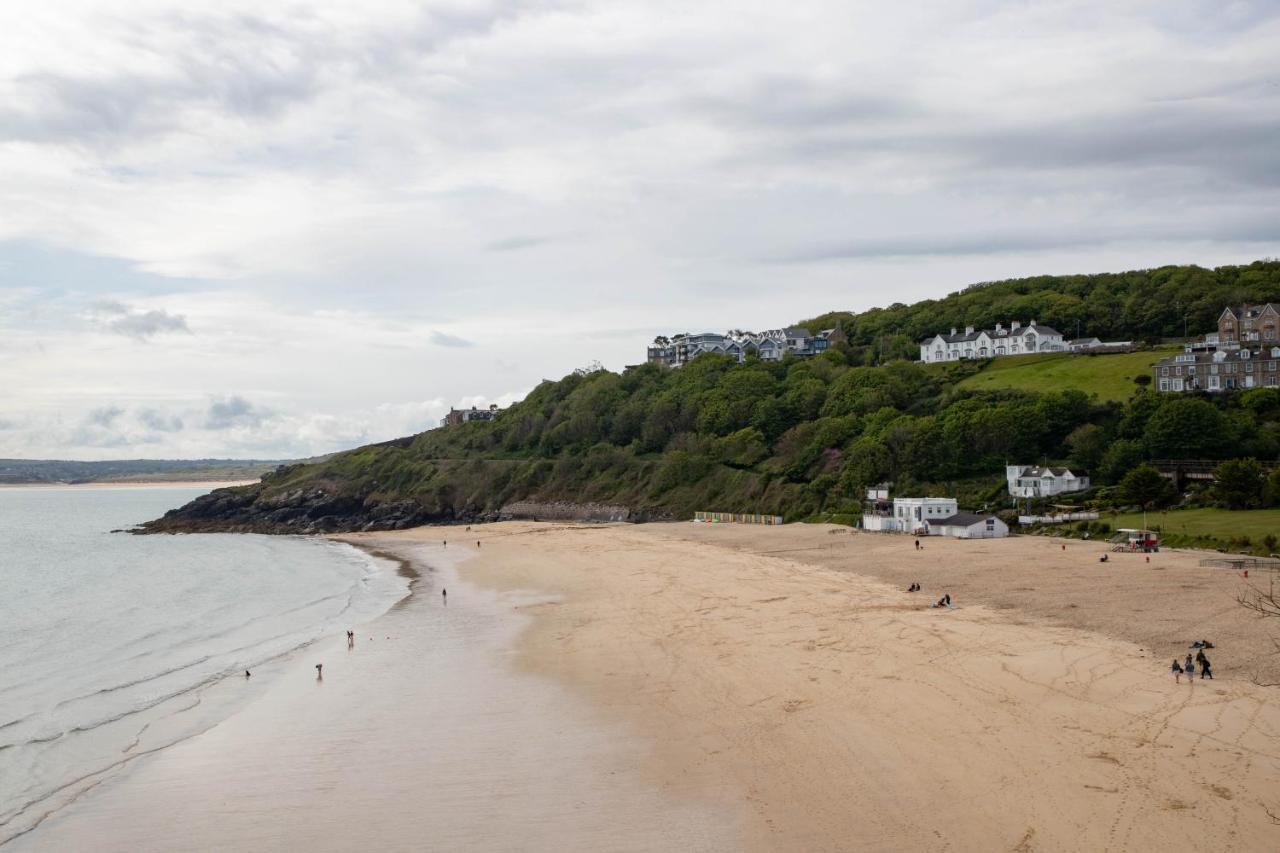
{"points": [[914, 515], [969, 525]]}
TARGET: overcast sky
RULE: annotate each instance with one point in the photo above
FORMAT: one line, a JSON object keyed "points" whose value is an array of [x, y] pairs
{"points": [[271, 230]]}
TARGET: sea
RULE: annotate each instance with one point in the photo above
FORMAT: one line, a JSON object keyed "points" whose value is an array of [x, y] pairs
{"points": [[114, 647]]}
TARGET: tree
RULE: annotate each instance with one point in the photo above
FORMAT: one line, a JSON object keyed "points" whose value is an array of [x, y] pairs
{"points": [[1119, 459], [1238, 483], [1088, 444], [1187, 428], [1146, 487], [1271, 490]]}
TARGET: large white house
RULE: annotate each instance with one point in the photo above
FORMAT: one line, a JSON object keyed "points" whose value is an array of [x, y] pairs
{"points": [[992, 343], [1033, 481]]}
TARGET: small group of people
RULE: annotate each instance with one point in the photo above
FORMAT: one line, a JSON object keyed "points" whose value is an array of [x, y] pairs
{"points": [[1188, 667], [915, 587], [945, 601]]}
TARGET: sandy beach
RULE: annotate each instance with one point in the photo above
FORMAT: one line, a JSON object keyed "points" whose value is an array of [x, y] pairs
{"points": [[708, 687]]}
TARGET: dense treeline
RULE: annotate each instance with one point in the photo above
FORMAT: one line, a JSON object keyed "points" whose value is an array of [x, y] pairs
{"points": [[1138, 305], [795, 437], [799, 437]]}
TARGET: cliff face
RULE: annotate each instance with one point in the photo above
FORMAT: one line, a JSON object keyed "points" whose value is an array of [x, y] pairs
{"points": [[253, 509], [306, 511]]}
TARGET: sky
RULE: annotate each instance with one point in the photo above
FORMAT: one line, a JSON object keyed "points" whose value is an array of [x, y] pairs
{"points": [[272, 230]]}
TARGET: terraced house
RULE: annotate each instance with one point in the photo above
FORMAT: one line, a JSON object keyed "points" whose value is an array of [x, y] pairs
{"points": [[992, 343], [772, 345], [1222, 370]]}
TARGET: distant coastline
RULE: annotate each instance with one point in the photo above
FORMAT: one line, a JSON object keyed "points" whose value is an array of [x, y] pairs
{"points": [[133, 484]]}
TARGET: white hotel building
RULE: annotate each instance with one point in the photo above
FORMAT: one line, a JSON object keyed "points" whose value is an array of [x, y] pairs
{"points": [[992, 343]]}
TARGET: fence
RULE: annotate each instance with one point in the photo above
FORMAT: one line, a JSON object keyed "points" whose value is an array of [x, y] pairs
{"points": [[1060, 518], [736, 518]]}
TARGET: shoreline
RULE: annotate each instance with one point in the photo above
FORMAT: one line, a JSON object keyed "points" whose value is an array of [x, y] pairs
{"points": [[658, 687], [421, 733], [134, 484]]}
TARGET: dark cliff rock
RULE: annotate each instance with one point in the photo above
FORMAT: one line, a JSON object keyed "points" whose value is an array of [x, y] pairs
{"points": [[312, 510], [249, 509]]}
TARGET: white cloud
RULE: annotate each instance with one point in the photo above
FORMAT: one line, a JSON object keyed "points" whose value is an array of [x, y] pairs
{"points": [[314, 207]]}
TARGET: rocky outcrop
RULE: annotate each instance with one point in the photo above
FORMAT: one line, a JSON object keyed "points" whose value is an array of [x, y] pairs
{"points": [[312, 510], [250, 509]]}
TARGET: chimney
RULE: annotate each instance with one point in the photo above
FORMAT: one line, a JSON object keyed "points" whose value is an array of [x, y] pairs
{"points": [[1033, 321], [1015, 325], [968, 330], [999, 327], [953, 330]]}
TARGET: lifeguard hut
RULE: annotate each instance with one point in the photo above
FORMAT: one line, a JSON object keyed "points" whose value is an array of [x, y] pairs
{"points": [[1131, 539]]}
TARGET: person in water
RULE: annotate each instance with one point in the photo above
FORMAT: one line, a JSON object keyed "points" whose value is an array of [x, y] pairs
{"points": [[319, 671], [444, 593], [246, 673]]}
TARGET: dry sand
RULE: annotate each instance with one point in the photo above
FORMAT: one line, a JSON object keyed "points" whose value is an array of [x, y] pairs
{"points": [[840, 713], [719, 688]]}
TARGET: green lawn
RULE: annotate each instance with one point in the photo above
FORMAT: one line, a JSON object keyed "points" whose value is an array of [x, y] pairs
{"points": [[1110, 377], [1182, 527]]}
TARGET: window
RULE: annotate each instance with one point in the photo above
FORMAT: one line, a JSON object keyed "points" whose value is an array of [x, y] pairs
{"points": [[1164, 371], [1164, 384], [1248, 368]]}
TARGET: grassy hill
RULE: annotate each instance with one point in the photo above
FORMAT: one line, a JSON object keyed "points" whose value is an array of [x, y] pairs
{"points": [[1109, 377], [1209, 527]]}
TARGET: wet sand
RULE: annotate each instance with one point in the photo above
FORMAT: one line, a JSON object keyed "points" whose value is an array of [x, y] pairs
{"points": [[421, 737], [706, 687]]}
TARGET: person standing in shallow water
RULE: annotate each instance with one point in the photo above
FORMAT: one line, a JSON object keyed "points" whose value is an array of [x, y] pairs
{"points": [[444, 593], [319, 672]]}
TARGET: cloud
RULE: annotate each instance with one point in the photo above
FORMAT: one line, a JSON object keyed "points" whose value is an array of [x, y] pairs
{"points": [[441, 339], [160, 422], [232, 412], [514, 244], [105, 416], [121, 319]]}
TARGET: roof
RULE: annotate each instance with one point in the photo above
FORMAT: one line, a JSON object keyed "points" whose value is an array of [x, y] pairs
{"points": [[993, 333], [1040, 471], [797, 332], [961, 519]]}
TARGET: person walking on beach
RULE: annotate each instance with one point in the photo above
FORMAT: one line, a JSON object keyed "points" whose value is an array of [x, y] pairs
{"points": [[1188, 667], [917, 544], [1205, 670], [1177, 672], [444, 542]]}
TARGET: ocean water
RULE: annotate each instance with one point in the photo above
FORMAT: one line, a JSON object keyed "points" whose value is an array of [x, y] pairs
{"points": [[114, 647]]}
